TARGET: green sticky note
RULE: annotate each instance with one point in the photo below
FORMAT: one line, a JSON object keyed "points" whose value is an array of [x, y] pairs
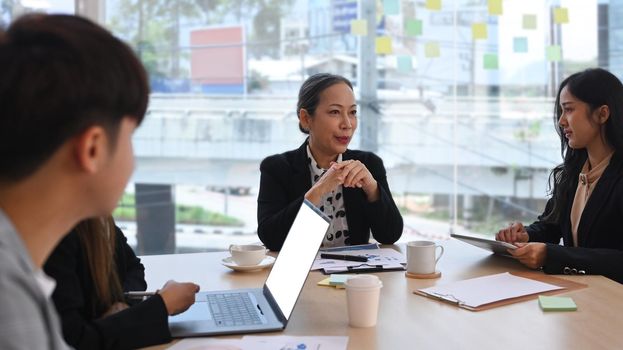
{"points": [[495, 7], [557, 303], [561, 15], [383, 45], [520, 44], [434, 5], [391, 7], [413, 27], [553, 53], [479, 31], [529, 21], [359, 27], [338, 280], [431, 50], [490, 61], [404, 64]]}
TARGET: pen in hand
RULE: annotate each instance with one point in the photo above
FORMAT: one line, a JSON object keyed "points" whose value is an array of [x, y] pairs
{"points": [[138, 294], [344, 257]]}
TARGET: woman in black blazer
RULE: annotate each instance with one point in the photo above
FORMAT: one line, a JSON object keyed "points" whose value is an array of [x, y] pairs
{"points": [[586, 207], [350, 187], [93, 265]]}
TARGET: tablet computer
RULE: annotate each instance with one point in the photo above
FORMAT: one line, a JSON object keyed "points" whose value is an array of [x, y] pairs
{"points": [[496, 247]]}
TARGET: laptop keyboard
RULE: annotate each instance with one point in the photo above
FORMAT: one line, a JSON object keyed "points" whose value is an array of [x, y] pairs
{"points": [[233, 309]]}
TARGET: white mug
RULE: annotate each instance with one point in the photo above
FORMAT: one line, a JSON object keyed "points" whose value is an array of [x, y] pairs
{"points": [[247, 254], [421, 258]]}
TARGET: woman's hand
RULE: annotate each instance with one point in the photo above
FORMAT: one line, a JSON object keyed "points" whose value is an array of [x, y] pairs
{"points": [[357, 175], [530, 254], [178, 297], [328, 182], [514, 233]]}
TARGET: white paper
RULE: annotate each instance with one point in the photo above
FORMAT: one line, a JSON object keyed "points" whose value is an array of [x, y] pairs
{"points": [[385, 256], [280, 342], [488, 289]]}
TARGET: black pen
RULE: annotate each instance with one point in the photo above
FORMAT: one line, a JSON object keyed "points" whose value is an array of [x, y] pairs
{"points": [[344, 257]]}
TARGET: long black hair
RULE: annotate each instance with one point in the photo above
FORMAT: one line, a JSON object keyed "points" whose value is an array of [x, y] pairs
{"points": [[596, 87]]}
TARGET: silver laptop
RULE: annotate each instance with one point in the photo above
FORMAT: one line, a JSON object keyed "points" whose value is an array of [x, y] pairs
{"points": [[261, 309]]}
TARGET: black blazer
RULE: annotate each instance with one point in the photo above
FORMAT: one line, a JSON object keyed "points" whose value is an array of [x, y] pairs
{"points": [[143, 324], [285, 178], [600, 238]]}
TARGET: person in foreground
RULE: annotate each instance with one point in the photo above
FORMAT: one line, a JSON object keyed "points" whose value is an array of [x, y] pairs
{"points": [[349, 186], [587, 197], [71, 95], [93, 266]]}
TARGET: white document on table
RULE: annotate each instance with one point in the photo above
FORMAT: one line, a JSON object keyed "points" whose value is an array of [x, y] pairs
{"points": [[279, 342], [488, 289], [386, 257]]}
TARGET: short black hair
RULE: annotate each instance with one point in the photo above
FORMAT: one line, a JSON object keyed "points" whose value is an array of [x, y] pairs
{"points": [[309, 94], [59, 75]]}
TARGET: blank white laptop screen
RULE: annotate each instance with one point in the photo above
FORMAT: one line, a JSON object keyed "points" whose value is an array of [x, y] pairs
{"points": [[296, 257]]}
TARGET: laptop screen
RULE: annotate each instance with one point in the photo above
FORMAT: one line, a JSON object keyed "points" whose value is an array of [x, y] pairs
{"points": [[296, 257]]}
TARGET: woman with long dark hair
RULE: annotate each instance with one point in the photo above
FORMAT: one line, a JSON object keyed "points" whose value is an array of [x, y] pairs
{"points": [[349, 186], [587, 192], [93, 267]]}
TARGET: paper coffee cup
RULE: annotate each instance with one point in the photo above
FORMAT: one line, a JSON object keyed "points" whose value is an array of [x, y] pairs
{"points": [[362, 297]]}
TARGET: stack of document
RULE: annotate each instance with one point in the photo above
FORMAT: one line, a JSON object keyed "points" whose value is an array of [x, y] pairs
{"points": [[383, 259]]}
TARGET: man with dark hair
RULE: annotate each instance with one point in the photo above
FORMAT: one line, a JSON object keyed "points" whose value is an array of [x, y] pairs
{"points": [[71, 95]]}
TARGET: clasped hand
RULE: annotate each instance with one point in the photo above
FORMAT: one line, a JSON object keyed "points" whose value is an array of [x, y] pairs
{"points": [[349, 173]]}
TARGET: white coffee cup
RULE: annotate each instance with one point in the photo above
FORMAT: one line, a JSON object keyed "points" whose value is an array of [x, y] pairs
{"points": [[247, 254], [362, 298], [421, 257]]}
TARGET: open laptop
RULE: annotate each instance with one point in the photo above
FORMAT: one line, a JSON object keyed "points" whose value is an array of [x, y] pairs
{"points": [[496, 247], [261, 309]]}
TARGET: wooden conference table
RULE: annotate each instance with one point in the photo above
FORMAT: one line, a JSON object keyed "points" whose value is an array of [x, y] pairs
{"points": [[409, 321]]}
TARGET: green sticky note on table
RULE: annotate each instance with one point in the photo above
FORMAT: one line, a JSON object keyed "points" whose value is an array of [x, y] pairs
{"points": [[479, 31], [490, 61], [529, 21], [391, 7], [383, 45], [495, 7], [520, 44], [359, 27], [561, 15], [434, 5], [431, 50], [553, 53], [338, 280], [413, 27], [557, 303]]}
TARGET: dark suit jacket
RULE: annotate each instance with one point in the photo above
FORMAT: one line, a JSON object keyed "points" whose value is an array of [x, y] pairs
{"points": [[600, 237], [285, 178], [143, 324]]}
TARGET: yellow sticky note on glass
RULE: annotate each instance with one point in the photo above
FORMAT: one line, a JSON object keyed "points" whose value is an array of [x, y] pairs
{"points": [[529, 21], [490, 61], [479, 31], [383, 45], [391, 7], [434, 5], [553, 53], [495, 7], [413, 27], [431, 50], [561, 15], [359, 27], [404, 64]]}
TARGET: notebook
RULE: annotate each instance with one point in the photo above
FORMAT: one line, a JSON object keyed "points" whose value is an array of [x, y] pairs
{"points": [[262, 309]]}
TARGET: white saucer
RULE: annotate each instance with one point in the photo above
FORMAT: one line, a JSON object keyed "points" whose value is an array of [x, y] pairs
{"points": [[266, 262]]}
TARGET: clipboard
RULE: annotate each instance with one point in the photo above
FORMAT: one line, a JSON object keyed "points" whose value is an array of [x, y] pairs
{"points": [[364, 269], [537, 276]]}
